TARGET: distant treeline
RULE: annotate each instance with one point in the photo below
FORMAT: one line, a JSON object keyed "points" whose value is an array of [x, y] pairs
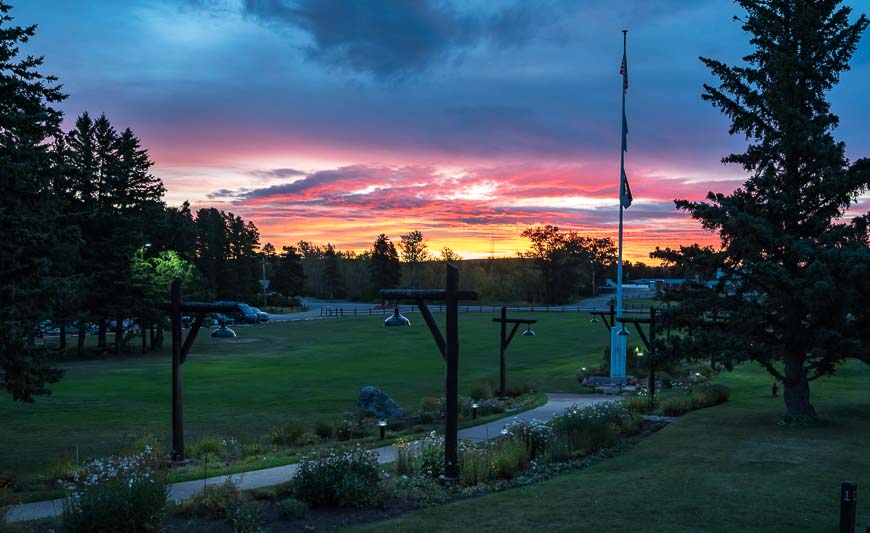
{"points": [[559, 267]]}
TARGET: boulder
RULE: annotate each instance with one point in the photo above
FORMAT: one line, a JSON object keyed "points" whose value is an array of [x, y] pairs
{"points": [[376, 402]]}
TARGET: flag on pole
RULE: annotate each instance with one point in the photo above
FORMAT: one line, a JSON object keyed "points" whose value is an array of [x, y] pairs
{"points": [[625, 192], [624, 189], [623, 69]]}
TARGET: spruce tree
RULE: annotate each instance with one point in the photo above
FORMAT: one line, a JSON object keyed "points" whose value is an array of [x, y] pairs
{"points": [[384, 264], [793, 290], [29, 211]]}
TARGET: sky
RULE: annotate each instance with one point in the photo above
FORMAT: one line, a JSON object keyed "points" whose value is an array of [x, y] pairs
{"points": [[337, 120]]}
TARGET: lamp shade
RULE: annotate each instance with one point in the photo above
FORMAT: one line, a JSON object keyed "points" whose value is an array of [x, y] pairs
{"points": [[396, 319], [223, 332], [528, 332]]}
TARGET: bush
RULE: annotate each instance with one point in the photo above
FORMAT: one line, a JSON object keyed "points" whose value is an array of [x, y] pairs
{"points": [[639, 404], [534, 435], [292, 508], [489, 407], [481, 391], [214, 501], [324, 429], [592, 427], [286, 434], [148, 440], [508, 458], [308, 439], [208, 445], [245, 518], [518, 390], [424, 457], [475, 466], [350, 427], [675, 406], [349, 479], [116, 494], [430, 409]]}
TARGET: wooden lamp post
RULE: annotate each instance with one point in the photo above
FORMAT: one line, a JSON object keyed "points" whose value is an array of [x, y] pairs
{"points": [[449, 347]]}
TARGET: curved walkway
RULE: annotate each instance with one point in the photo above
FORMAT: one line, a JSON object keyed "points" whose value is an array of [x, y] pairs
{"points": [[556, 403]]}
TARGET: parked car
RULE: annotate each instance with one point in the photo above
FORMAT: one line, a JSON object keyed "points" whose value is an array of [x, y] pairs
{"points": [[220, 318], [243, 314], [262, 316]]}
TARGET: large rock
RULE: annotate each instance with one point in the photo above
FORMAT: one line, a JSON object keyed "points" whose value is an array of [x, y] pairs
{"points": [[375, 402]]}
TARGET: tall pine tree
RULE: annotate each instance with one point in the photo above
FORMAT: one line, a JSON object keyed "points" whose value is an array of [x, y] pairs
{"points": [[794, 290], [29, 231]]}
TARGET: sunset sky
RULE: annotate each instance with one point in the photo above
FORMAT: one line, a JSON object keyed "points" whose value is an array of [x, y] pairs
{"points": [[337, 120]]}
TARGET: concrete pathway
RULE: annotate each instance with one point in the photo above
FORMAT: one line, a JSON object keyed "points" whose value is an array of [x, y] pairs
{"points": [[556, 403]]}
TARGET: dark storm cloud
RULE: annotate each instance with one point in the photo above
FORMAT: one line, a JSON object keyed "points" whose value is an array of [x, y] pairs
{"points": [[393, 38]]}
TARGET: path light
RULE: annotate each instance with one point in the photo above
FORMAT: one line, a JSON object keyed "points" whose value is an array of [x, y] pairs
{"points": [[528, 332], [382, 426], [504, 430], [396, 319], [474, 407]]}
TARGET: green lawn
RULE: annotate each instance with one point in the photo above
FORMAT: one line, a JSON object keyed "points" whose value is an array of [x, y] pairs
{"points": [[726, 468], [276, 372]]}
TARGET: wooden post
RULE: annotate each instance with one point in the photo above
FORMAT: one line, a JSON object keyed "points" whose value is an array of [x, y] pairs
{"points": [[451, 430], [177, 376], [502, 364], [848, 506]]}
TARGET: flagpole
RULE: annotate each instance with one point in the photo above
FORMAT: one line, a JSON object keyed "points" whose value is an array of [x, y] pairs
{"points": [[620, 342]]}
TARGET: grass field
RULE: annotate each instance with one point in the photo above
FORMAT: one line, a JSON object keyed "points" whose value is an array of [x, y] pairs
{"points": [[271, 373], [726, 468]]}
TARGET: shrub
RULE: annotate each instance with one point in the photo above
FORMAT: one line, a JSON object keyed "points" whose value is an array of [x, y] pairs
{"points": [[518, 390], [232, 448], [324, 429], [430, 409], [286, 434], [350, 427], [638, 403], [718, 393], [591, 427], [489, 407], [481, 391], [416, 488], [148, 440], [214, 501], [252, 449], [534, 435], [475, 465], [349, 479], [675, 406], [430, 455], [245, 518], [207, 445], [424, 457], [508, 458], [308, 439], [292, 508], [116, 494]]}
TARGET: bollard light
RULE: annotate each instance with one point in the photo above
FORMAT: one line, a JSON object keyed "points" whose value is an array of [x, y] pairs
{"points": [[504, 430], [474, 407], [382, 426], [396, 319]]}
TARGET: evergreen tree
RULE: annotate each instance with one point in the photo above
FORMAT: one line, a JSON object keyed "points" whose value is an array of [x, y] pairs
{"points": [[29, 211], [794, 287], [289, 277], [384, 264]]}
